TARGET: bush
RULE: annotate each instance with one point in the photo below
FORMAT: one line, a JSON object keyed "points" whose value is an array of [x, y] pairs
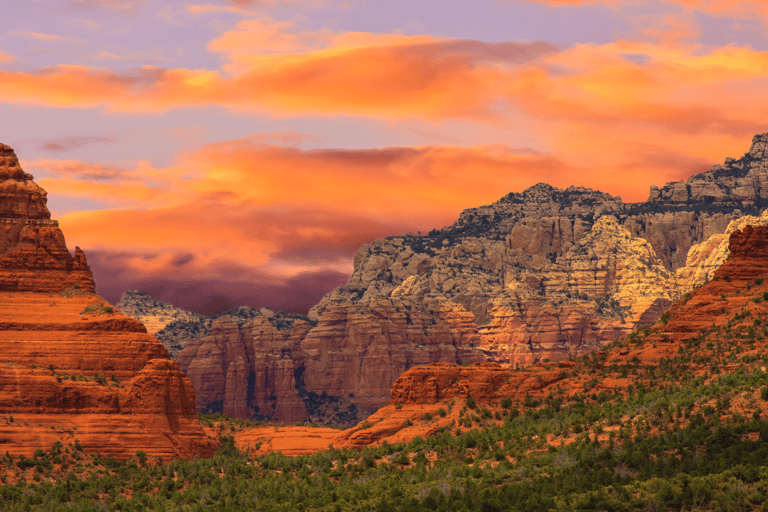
{"points": [[97, 309], [471, 403], [506, 402]]}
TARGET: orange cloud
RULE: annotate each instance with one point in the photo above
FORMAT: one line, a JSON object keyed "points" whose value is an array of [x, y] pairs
{"points": [[600, 104], [141, 186], [43, 37], [387, 75], [252, 202], [260, 205], [735, 8], [247, 214]]}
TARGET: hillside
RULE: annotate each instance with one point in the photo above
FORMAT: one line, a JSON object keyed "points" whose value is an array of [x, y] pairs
{"points": [[73, 371], [672, 417], [720, 328], [542, 274], [176, 327]]}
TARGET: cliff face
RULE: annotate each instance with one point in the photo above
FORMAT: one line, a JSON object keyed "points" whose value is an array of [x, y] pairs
{"points": [[33, 255], [544, 274], [548, 273], [719, 326], [338, 371], [71, 368]]}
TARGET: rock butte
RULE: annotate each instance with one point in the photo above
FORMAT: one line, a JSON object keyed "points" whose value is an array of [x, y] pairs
{"points": [[737, 286], [542, 274], [72, 369]]}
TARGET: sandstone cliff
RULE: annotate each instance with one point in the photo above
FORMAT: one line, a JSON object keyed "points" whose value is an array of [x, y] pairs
{"points": [[705, 258], [33, 255], [338, 371], [71, 367], [720, 326], [544, 274]]}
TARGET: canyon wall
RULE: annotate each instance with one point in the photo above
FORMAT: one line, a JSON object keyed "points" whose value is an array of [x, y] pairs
{"points": [[73, 369], [544, 274]]}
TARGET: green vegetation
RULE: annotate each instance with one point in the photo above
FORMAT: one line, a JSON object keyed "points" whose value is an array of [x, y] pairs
{"points": [[71, 292], [687, 432], [654, 449], [98, 309]]}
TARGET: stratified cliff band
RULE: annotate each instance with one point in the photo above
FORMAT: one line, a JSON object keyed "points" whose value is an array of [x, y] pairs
{"points": [[542, 274], [73, 369]]}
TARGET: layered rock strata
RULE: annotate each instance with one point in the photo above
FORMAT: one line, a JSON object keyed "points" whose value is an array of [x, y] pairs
{"points": [[544, 274], [720, 326], [33, 255], [336, 372], [72, 369]]}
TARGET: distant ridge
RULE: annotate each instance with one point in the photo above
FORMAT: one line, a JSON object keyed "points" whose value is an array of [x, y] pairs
{"points": [[543, 274], [175, 326]]}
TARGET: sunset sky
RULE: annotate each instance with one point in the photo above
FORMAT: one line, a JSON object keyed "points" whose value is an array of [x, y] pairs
{"points": [[238, 152]]}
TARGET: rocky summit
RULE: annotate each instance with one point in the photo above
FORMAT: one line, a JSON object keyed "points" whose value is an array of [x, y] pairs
{"points": [[72, 369], [33, 255], [544, 274], [718, 328]]}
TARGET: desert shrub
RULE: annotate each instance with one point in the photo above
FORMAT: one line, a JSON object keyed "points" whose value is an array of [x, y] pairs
{"points": [[98, 309]]}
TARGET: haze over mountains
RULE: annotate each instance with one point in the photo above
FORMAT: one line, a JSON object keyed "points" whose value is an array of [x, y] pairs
{"points": [[545, 274]]}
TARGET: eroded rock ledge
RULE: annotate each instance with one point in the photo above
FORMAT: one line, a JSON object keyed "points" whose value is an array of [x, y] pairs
{"points": [[72, 369]]}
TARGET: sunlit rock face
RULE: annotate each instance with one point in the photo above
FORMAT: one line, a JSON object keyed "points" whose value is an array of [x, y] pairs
{"points": [[71, 367], [546, 273], [33, 254], [738, 285]]}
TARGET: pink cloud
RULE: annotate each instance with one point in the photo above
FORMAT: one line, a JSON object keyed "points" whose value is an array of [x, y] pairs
{"points": [[71, 142]]}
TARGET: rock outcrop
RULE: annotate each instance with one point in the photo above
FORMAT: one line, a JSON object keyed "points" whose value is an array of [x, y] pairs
{"points": [[544, 274], [33, 255], [71, 367], [705, 258], [337, 371], [550, 273], [154, 314], [719, 326], [157, 316]]}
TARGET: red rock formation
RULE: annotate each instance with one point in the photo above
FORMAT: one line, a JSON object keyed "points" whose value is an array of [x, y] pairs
{"points": [[246, 371], [429, 398], [71, 368], [734, 301], [337, 372], [545, 274]]}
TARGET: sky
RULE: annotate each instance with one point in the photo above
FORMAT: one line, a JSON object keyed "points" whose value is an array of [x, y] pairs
{"points": [[215, 153]]}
